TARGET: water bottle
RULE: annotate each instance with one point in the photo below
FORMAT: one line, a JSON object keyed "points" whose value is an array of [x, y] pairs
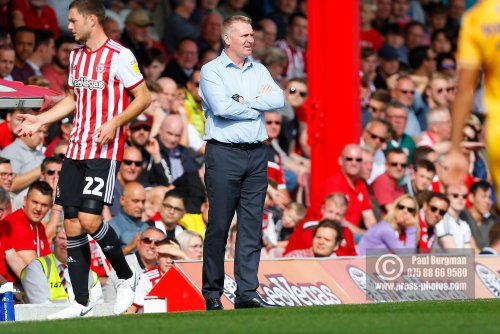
{"points": [[7, 302]]}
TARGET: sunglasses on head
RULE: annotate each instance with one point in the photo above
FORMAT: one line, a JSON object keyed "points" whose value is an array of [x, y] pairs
{"points": [[294, 90], [436, 209], [149, 241], [130, 162], [353, 159], [407, 208], [52, 172]]}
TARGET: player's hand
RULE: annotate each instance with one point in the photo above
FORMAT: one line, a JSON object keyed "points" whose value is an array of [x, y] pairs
{"points": [[265, 89], [30, 124], [105, 133], [457, 167]]}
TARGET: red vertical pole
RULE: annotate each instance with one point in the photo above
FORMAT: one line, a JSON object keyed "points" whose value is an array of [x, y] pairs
{"points": [[333, 106]]}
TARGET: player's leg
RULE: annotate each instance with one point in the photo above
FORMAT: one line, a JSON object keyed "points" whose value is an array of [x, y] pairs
{"points": [[98, 191], [68, 195]]}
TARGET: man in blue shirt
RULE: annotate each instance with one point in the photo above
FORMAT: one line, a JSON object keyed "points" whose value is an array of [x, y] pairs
{"points": [[235, 92]]}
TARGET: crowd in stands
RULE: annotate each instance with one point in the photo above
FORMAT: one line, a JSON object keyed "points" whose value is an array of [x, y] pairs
{"points": [[390, 192]]}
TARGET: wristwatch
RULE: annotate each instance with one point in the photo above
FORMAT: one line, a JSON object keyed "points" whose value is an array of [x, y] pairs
{"points": [[236, 97]]}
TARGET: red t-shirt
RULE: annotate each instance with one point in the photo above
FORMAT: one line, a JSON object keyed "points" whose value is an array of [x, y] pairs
{"points": [[302, 236], [358, 197], [23, 236], [3, 263], [423, 242], [386, 190], [47, 18], [6, 136]]}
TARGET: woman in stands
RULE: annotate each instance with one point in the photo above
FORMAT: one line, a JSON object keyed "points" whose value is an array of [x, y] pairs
{"points": [[397, 233]]}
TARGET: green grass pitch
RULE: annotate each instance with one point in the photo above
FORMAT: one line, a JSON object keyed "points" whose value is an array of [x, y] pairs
{"points": [[470, 316]]}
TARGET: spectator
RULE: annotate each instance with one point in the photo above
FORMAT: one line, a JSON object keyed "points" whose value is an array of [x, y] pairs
{"points": [[36, 14], [388, 65], [433, 210], [154, 200], [24, 45], [452, 232], [422, 60], [4, 199], [274, 59], [46, 280], [136, 36], [203, 8], [325, 242], [478, 215], [397, 116], [23, 227], [386, 187], [210, 32], [57, 72], [348, 182], [334, 208], [171, 212], [447, 65], [231, 8], [294, 47], [65, 126], [179, 25], [376, 107], [11, 264], [128, 222], [112, 28], [293, 137], [382, 15], [421, 177], [385, 235], [7, 128], [437, 92], [192, 104], [43, 51], [182, 65], [191, 244], [7, 61], [369, 65], [170, 160], [50, 171], [441, 42], [275, 168], [375, 136], [283, 9], [404, 92], [270, 32], [370, 38], [153, 64], [292, 216], [130, 169], [143, 259], [167, 254], [206, 56], [438, 135], [25, 159], [6, 177], [494, 246], [414, 33], [399, 12]]}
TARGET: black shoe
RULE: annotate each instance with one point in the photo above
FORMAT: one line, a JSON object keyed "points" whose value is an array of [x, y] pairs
{"points": [[213, 304], [254, 303]]}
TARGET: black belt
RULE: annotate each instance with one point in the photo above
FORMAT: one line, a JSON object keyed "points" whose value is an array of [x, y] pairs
{"points": [[240, 146]]}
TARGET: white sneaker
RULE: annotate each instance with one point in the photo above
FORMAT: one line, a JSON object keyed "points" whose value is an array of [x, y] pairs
{"points": [[75, 310], [125, 291]]}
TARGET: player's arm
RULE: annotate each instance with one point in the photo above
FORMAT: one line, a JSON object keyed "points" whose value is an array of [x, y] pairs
{"points": [[142, 100], [32, 123]]}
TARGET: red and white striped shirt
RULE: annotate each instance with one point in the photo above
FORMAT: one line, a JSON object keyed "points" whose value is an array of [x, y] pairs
{"points": [[100, 80]]}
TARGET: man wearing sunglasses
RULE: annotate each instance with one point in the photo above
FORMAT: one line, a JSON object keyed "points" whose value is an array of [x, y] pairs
{"points": [[143, 259], [386, 188], [404, 92], [375, 136], [431, 213], [452, 232]]}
